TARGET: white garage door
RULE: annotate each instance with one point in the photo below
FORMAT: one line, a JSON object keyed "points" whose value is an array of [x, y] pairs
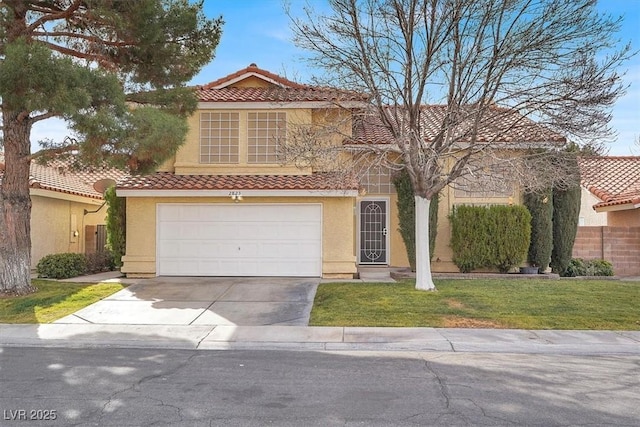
{"points": [[239, 240]]}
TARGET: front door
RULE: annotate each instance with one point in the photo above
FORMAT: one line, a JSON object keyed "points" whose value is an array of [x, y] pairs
{"points": [[373, 232]]}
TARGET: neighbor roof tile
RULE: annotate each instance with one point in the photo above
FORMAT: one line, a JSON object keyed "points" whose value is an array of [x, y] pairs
{"points": [[613, 179], [57, 176]]}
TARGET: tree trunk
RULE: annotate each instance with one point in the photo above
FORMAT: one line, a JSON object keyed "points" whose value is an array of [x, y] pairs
{"points": [[424, 281], [15, 206]]}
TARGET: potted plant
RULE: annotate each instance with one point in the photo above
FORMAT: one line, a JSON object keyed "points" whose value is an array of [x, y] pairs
{"points": [[531, 269]]}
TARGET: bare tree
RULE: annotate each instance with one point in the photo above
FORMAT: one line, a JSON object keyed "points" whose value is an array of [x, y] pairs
{"points": [[493, 68]]}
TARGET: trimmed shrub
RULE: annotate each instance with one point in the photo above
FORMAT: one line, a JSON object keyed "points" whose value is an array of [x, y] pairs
{"points": [[116, 225], [540, 206], [510, 236], [596, 267], [494, 237], [100, 261], [62, 266], [566, 212], [407, 217], [469, 237]]}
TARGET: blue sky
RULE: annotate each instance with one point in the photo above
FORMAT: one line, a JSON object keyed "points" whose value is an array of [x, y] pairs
{"points": [[257, 31]]}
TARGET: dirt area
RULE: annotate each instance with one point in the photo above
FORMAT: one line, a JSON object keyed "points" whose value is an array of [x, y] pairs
{"points": [[464, 322], [452, 303]]}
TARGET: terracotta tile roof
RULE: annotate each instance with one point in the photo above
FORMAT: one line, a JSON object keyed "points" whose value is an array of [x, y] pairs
{"points": [[56, 176], [276, 94], [253, 69], [279, 90], [613, 179], [170, 181], [503, 125]]}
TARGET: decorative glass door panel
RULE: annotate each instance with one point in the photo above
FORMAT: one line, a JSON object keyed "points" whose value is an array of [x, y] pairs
{"points": [[373, 232]]}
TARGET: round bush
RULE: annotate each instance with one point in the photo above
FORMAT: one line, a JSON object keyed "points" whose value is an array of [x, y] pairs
{"points": [[62, 266]]}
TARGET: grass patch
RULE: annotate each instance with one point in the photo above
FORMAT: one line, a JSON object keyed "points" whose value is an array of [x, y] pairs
{"points": [[53, 300], [482, 303]]}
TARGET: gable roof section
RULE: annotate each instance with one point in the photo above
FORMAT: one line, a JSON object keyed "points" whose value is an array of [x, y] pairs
{"points": [[613, 179], [253, 71], [56, 176], [278, 89], [503, 126], [167, 181]]}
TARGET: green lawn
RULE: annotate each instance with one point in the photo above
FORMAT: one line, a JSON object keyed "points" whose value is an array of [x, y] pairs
{"points": [[482, 303], [53, 300]]}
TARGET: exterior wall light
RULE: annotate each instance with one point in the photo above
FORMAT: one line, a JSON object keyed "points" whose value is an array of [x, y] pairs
{"points": [[236, 196]]}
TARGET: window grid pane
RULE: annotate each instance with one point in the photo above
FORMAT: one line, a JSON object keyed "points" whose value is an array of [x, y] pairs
{"points": [[264, 130], [219, 137], [378, 180]]}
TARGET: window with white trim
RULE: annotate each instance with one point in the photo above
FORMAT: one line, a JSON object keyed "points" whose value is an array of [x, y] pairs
{"points": [[219, 137], [264, 131]]}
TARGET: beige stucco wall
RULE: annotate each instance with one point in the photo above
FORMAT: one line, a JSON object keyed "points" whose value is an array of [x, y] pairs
{"points": [[625, 218], [187, 159], [338, 257], [54, 219], [589, 217]]}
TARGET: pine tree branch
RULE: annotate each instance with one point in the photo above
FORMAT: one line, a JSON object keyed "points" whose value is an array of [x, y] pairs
{"points": [[43, 116], [63, 14], [86, 37]]}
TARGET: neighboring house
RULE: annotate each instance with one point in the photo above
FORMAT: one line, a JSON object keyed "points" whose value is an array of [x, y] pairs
{"points": [[224, 205], [67, 213], [588, 217], [614, 185]]}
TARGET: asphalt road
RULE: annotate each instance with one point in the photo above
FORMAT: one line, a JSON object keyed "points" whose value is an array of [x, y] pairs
{"points": [[135, 387]]}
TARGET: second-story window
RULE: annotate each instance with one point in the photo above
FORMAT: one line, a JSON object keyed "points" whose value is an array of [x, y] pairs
{"points": [[264, 130], [378, 180], [219, 137]]}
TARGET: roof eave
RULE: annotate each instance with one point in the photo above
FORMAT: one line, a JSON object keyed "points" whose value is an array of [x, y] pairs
{"points": [[130, 192]]}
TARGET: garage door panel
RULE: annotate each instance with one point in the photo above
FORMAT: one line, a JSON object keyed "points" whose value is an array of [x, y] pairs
{"points": [[170, 231], [239, 240], [294, 229], [247, 230], [190, 249]]}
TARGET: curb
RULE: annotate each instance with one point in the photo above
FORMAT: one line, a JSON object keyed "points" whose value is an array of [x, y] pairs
{"points": [[319, 338]]}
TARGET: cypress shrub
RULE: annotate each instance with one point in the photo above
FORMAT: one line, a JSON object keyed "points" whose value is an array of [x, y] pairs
{"points": [[566, 211], [116, 225], [540, 206], [494, 237], [407, 217], [433, 224]]}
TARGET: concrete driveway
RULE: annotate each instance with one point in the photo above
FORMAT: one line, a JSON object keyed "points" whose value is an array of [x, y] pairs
{"points": [[241, 301]]}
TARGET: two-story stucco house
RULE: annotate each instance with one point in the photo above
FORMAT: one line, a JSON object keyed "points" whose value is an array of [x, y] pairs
{"points": [[225, 205]]}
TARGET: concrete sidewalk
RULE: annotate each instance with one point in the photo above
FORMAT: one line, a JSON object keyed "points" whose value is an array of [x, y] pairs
{"points": [[224, 337]]}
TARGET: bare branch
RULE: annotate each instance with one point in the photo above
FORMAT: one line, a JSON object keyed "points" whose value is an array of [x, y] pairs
{"points": [[540, 61]]}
